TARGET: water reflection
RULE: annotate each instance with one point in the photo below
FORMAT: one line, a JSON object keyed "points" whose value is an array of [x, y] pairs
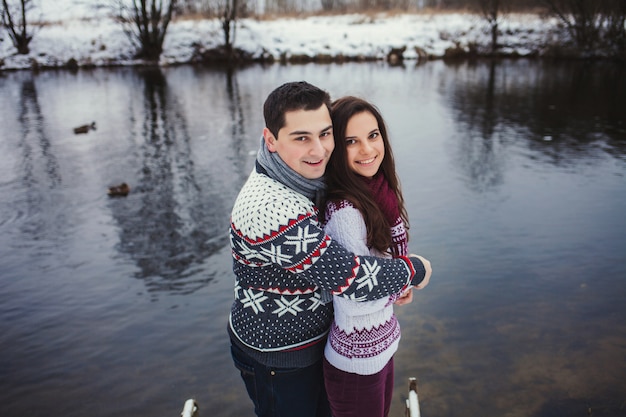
{"points": [[564, 113], [481, 153], [33, 131], [40, 172], [164, 224], [236, 114]]}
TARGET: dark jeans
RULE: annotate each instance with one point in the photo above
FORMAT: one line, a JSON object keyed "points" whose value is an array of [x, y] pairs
{"points": [[353, 395], [283, 392]]}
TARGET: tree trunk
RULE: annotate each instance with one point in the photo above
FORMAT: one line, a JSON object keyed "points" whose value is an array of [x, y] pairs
{"points": [[151, 23], [18, 33]]}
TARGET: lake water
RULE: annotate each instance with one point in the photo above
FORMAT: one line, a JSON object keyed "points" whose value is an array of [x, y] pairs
{"points": [[514, 176]]}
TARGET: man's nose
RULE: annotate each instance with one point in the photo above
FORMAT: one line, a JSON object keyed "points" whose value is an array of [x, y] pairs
{"points": [[317, 148]]}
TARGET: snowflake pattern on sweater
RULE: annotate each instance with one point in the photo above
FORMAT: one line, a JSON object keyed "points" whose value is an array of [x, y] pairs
{"points": [[282, 259]]}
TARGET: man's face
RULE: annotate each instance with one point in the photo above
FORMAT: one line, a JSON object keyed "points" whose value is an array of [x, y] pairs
{"points": [[306, 141]]}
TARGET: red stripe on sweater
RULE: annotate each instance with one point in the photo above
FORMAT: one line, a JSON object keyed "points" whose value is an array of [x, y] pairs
{"points": [[348, 281], [273, 233]]}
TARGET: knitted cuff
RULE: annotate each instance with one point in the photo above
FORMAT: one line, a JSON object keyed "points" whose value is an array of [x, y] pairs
{"points": [[420, 271]]}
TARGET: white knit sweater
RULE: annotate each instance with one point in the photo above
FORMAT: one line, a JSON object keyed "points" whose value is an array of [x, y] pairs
{"points": [[364, 335]]}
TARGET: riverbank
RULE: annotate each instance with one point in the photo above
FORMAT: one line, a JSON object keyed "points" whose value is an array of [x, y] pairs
{"points": [[76, 41]]}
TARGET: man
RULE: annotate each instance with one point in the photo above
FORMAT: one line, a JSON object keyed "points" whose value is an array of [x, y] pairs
{"points": [[287, 269]]}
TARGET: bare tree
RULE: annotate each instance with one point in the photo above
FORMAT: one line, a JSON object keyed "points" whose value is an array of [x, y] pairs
{"points": [[146, 22], [593, 24], [229, 24], [328, 5], [14, 19], [491, 10], [228, 11]]}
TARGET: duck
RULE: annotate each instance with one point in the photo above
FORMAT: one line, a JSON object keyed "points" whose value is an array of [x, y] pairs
{"points": [[85, 128], [121, 190]]}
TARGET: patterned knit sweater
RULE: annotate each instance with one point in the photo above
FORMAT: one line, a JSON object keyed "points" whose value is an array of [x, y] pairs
{"points": [[282, 260], [363, 336]]}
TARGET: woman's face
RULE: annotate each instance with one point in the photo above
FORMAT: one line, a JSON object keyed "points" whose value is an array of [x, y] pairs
{"points": [[365, 148]]}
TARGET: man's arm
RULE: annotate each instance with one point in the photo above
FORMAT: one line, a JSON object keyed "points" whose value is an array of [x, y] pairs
{"points": [[302, 247], [363, 278], [347, 227]]}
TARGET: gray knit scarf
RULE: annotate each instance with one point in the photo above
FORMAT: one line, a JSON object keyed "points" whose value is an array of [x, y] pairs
{"points": [[277, 169]]}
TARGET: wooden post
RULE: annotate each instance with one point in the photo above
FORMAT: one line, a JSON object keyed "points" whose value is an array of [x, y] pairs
{"points": [[190, 408], [412, 403]]}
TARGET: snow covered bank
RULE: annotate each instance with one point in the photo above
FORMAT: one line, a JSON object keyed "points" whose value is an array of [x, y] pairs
{"points": [[77, 41]]}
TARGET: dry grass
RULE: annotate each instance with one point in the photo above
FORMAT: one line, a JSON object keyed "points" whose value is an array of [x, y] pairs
{"points": [[193, 17], [370, 13]]}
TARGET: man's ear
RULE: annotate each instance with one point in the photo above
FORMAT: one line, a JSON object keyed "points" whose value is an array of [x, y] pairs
{"points": [[269, 138]]}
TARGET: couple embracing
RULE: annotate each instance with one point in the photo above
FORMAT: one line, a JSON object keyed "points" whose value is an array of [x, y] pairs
{"points": [[319, 243]]}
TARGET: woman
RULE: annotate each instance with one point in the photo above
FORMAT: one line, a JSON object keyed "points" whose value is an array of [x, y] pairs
{"points": [[364, 212]]}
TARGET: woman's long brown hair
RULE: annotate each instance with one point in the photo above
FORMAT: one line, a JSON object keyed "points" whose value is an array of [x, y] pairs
{"points": [[344, 184]]}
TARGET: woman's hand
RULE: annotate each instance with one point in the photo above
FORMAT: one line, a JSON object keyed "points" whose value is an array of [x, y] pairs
{"points": [[405, 298]]}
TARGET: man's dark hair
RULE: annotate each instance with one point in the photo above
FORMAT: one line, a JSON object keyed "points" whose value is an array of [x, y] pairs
{"points": [[292, 96]]}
